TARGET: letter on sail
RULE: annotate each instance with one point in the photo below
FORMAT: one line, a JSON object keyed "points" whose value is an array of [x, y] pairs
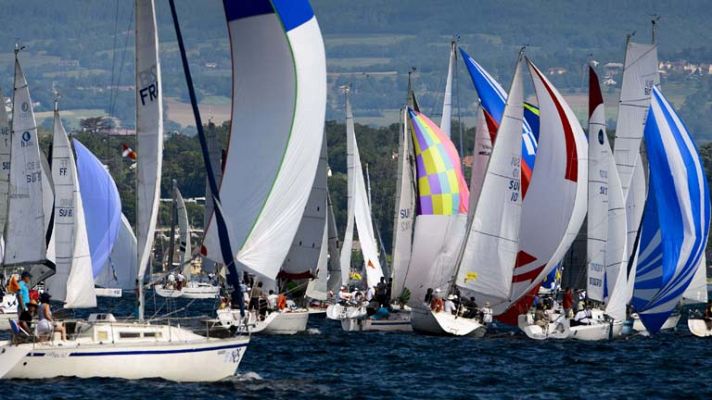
{"points": [[279, 103]]}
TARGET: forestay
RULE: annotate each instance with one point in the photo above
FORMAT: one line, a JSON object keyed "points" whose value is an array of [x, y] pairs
{"points": [[279, 102], [490, 251], [73, 282], [676, 219], [25, 231]]}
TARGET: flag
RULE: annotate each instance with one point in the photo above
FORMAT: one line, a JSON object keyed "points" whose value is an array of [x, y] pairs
{"points": [[128, 152]]}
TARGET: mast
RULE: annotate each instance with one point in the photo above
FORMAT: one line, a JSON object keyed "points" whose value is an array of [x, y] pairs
{"points": [[225, 246]]}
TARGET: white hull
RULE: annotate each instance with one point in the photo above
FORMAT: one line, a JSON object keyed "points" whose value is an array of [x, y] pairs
{"points": [[670, 323], [106, 350], [445, 324], [560, 328], [109, 292], [698, 327], [274, 323], [396, 322], [339, 312], [200, 291]]}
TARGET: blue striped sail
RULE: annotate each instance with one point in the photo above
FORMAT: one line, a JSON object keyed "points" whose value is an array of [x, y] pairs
{"points": [[676, 219]]}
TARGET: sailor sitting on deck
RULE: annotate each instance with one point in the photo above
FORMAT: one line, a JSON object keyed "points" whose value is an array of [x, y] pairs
{"points": [[436, 304], [540, 317], [272, 300], [583, 316], [450, 304], [343, 296], [47, 325]]}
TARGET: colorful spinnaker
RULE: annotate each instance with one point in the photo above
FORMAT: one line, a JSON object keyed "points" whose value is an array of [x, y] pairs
{"points": [[676, 220], [279, 103], [442, 204]]}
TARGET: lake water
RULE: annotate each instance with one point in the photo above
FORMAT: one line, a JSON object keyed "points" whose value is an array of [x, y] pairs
{"points": [[326, 362]]}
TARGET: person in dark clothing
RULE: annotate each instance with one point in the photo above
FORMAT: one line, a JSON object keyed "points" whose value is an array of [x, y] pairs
{"points": [[389, 289], [381, 291], [428, 296], [255, 296]]}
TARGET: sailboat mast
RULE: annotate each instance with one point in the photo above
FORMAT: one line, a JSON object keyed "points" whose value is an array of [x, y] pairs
{"points": [[225, 246]]}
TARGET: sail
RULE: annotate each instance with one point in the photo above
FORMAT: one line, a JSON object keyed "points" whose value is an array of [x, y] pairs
{"points": [[335, 274], [555, 205], [676, 219], [184, 227], [696, 293], [492, 244], [5, 146], [73, 282], [149, 131], [492, 99], [48, 207], [25, 231], [640, 75], [480, 157], [120, 268], [404, 211], [102, 206], [606, 223], [215, 156], [442, 206], [446, 120], [305, 253], [347, 244], [279, 103], [317, 288]]}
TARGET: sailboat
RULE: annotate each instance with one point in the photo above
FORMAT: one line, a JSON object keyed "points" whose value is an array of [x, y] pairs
{"points": [[193, 288], [268, 177], [101, 346], [676, 219], [355, 317], [605, 269]]}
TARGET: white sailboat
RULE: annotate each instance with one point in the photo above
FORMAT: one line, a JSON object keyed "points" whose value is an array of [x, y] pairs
{"points": [[102, 347], [279, 88]]}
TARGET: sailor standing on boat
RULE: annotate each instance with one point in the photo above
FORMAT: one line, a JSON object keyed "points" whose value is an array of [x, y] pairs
{"points": [[23, 294]]}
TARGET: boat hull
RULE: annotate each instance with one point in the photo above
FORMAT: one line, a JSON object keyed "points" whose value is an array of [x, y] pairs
{"points": [[288, 323], [670, 324], [396, 322], [698, 327], [339, 312], [109, 292], [560, 328], [198, 292], [444, 324]]}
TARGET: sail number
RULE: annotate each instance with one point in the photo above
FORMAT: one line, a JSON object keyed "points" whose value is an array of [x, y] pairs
{"points": [[149, 85], [34, 177]]}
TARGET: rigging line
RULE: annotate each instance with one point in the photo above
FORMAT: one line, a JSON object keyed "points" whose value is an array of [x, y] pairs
{"points": [[113, 51], [122, 63]]}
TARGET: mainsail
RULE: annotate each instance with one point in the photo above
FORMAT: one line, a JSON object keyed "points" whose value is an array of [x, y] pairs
{"points": [[676, 220], [279, 103], [555, 204], [25, 230], [606, 224], [359, 209], [184, 241], [492, 244], [446, 120], [149, 136], [443, 200], [73, 282], [102, 207]]}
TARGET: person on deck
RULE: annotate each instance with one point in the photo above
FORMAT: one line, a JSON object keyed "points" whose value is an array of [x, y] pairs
{"points": [[26, 316], [450, 304], [436, 304], [47, 325], [470, 308], [568, 302], [583, 316], [389, 289], [272, 300], [255, 296], [540, 317], [428, 296], [487, 313], [343, 297], [171, 281], [370, 294], [181, 281], [23, 294], [381, 292]]}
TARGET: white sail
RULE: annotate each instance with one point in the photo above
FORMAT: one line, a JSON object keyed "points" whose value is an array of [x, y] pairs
{"points": [[25, 233], [347, 244], [184, 227], [304, 255], [446, 120], [5, 146], [121, 266], [48, 207], [149, 133], [640, 74], [317, 288], [696, 293], [73, 282], [492, 244], [334, 251], [279, 103], [555, 206], [404, 211], [215, 155], [480, 157]]}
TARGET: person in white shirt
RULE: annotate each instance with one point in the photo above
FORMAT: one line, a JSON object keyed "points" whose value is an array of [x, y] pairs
{"points": [[486, 313], [171, 281], [181, 281], [583, 316], [344, 295], [450, 304], [272, 300]]}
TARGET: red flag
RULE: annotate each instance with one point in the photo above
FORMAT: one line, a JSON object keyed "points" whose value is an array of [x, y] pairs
{"points": [[127, 152]]}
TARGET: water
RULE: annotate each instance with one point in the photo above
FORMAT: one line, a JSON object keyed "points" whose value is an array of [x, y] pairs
{"points": [[326, 362]]}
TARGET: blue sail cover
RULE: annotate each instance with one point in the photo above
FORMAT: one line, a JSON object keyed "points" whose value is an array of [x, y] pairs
{"points": [[676, 219], [102, 205]]}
